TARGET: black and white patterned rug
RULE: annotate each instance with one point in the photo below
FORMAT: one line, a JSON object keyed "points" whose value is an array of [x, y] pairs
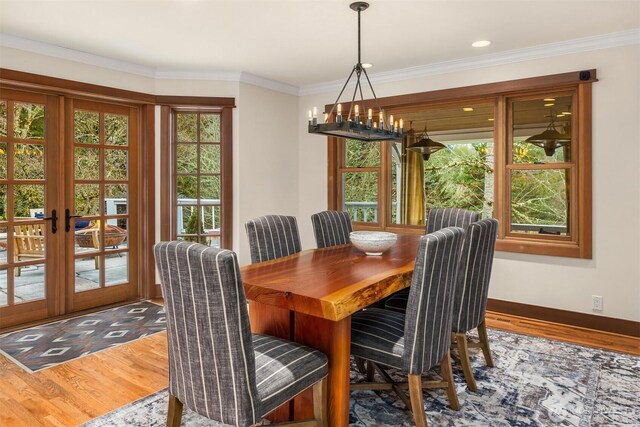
{"points": [[536, 382], [48, 345]]}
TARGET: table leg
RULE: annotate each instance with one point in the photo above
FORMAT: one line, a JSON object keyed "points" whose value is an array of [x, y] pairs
{"points": [[333, 339]]}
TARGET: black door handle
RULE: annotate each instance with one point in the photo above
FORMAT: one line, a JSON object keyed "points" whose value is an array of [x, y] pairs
{"points": [[67, 219], [54, 221]]}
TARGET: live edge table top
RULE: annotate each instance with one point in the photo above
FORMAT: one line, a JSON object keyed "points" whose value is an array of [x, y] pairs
{"points": [[331, 283]]}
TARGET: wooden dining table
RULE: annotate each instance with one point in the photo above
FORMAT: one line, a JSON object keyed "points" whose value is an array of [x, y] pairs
{"points": [[309, 298]]}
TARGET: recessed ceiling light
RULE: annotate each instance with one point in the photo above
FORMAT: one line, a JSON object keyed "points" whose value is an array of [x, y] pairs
{"points": [[467, 109], [549, 99], [490, 120], [367, 65], [551, 104], [481, 43], [566, 113]]}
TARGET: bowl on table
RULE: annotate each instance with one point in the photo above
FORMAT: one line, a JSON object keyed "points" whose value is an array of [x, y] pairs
{"points": [[372, 242]]}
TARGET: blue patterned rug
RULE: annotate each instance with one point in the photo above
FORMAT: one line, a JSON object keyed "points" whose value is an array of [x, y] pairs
{"points": [[49, 345], [536, 382]]}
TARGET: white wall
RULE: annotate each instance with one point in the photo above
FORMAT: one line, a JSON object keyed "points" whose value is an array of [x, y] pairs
{"points": [[267, 175], [614, 271]]}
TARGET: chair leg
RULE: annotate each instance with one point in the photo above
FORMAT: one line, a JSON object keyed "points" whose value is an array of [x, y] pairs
{"points": [[417, 404], [463, 350], [370, 369], [174, 415], [320, 403], [447, 375], [484, 343]]}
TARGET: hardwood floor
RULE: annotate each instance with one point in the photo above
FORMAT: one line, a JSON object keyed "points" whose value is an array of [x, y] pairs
{"points": [[77, 391]]}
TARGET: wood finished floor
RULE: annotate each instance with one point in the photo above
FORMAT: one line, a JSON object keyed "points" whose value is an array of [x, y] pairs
{"points": [[77, 391]]}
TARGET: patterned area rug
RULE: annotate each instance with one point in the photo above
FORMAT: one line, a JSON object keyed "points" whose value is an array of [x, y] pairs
{"points": [[48, 345], [536, 382]]}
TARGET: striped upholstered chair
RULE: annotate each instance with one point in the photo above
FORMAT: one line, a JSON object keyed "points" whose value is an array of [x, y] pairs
{"points": [[272, 236], [217, 367], [450, 217], [470, 302], [437, 219], [331, 228], [419, 339]]}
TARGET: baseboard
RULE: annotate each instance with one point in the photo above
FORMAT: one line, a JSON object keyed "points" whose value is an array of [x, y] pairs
{"points": [[565, 317]]}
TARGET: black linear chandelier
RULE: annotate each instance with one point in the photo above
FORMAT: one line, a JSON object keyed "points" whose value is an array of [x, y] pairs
{"points": [[355, 127]]}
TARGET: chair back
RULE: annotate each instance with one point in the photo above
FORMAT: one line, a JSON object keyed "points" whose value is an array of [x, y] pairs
{"points": [[427, 328], [331, 228], [439, 218], [272, 236], [211, 357], [470, 302]]}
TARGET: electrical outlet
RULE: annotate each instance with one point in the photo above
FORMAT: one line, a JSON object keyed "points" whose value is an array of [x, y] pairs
{"points": [[596, 302]]}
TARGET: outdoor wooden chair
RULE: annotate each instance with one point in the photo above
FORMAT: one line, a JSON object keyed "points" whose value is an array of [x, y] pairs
{"points": [[28, 242]]}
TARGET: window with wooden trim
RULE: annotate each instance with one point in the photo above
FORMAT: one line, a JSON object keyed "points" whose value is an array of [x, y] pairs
{"points": [[199, 205], [519, 151]]}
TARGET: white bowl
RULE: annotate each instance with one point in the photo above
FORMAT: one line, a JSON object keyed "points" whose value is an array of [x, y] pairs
{"points": [[372, 242]]}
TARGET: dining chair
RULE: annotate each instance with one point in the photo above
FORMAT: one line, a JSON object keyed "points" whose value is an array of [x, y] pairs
{"points": [[472, 289], [420, 338], [272, 236], [437, 219], [217, 367], [331, 228], [470, 302], [450, 217]]}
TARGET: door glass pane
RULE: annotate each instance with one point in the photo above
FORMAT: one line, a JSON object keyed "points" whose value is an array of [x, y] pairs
{"points": [[116, 269], [115, 199], [115, 164], [542, 130], [209, 188], [3, 244], [87, 273], [29, 283], [86, 127], [187, 158], [187, 220], [187, 127], [115, 129], [361, 154], [4, 288], [87, 199], [29, 161], [3, 160], [117, 235], [211, 224], [210, 158], [540, 201], [3, 118], [209, 128], [28, 198], [28, 121], [360, 191], [3, 202], [87, 163]]}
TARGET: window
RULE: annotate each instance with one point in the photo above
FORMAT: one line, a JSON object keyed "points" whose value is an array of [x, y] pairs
{"points": [[518, 151], [197, 204]]}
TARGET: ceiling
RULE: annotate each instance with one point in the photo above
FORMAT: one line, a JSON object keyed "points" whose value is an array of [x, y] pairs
{"points": [[306, 42]]}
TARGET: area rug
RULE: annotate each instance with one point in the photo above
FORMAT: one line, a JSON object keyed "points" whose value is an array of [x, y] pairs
{"points": [[536, 382], [48, 345]]}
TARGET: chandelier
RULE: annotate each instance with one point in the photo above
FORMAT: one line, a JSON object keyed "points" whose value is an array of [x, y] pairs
{"points": [[426, 146], [356, 126]]}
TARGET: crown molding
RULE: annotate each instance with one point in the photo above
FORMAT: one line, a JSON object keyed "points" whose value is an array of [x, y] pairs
{"points": [[58, 52], [585, 44]]}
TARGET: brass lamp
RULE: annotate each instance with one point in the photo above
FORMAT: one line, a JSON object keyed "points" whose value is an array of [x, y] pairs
{"points": [[550, 139], [426, 145]]}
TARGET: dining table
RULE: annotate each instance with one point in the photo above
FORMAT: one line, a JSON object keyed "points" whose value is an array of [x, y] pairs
{"points": [[309, 297]]}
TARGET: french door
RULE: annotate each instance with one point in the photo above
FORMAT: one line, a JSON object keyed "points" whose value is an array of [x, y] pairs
{"points": [[68, 196]]}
